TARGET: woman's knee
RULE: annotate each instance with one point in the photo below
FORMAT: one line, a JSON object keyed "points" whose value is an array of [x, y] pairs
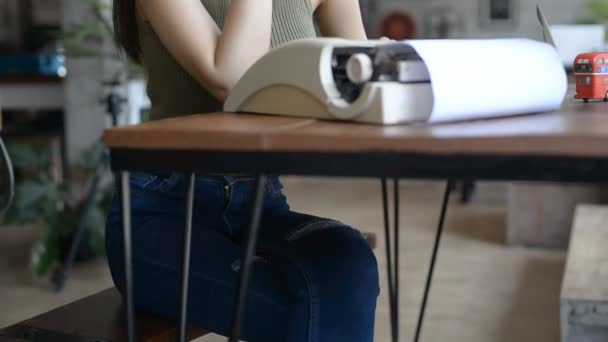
{"points": [[343, 258], [358, 259]]}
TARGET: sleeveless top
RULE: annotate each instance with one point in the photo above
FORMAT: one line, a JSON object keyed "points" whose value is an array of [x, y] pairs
{"points": [[173, 92]]}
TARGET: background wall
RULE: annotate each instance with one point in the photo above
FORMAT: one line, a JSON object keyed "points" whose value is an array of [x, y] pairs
{"points": [[465, 20], [85, 114]]}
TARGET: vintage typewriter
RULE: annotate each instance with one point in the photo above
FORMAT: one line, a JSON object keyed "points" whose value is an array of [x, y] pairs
{"points": [[366, 81]]}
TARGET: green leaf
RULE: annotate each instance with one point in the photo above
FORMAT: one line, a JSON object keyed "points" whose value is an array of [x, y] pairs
{"points": [[65, 222], [105, 199], [44, 253], [26, 156], [29, 193], [90, 156], [598, 8], [96, 226], [19, 217]]}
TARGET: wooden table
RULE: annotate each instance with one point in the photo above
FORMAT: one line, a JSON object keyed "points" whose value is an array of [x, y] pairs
{"points": [[567, 146]]}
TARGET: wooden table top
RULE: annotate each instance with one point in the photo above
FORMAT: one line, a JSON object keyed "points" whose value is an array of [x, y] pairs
{"points": [[577, 130]]}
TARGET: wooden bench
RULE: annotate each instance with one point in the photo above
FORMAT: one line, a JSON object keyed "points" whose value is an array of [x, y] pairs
{"points": [[584, 295], [97, 318]]}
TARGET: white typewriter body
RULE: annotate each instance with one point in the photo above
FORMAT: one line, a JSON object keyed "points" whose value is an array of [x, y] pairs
{"points": [[365, 81]]}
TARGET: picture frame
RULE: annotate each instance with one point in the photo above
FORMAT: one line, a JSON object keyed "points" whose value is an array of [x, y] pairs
{"points": [[498, 13]]}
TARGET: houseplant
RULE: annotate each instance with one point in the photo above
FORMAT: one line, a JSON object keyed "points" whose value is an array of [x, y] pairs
{"points": [[56, 205], [597, 12]]}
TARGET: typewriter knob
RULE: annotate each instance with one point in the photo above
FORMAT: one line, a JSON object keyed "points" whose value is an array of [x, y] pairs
{"points": [[359, 68]]}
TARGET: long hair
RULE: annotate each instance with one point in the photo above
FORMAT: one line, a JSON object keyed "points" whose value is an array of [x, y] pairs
{"points": [[126, 31]]}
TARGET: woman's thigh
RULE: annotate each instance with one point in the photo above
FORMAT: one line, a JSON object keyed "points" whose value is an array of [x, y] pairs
{"points": [[213, 279], [337, 274]]}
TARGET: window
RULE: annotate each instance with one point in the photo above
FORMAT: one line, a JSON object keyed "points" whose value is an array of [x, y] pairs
{"points": [[599, 61], [499, 12], [584, 80], [583, 68], [500, 9]]}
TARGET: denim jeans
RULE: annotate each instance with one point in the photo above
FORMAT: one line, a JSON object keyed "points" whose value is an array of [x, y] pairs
{"points": [[313, 280]]}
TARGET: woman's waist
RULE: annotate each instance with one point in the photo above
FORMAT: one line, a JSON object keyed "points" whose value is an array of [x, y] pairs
{"points": [[218, 178], [164, 193], [220, 187]]}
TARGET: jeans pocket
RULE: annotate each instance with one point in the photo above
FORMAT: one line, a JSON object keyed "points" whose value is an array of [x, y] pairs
{"points": [[157, 183]]}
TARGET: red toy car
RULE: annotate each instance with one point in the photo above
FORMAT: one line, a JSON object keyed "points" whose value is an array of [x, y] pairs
{"points": [[591, 72]]}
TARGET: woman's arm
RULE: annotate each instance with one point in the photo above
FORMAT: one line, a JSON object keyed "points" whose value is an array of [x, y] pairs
{"points": [[216, 59], [340, 18]]}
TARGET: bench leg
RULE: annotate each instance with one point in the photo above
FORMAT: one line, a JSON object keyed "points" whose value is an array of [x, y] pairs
{"points": [[392, 258], [126, 221], [187, 242], [247, 260], [429, 279]]}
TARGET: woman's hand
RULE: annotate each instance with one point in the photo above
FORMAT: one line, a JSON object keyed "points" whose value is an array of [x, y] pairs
{"points": [[216, 59]]}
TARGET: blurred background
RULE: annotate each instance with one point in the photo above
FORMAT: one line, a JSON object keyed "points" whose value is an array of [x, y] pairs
{"points": [[62, 82]]}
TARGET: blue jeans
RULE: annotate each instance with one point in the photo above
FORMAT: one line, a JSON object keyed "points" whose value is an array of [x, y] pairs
{"points": [[314, 279]]}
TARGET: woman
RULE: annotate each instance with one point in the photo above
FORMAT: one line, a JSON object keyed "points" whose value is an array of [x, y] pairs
{"points": [[314, 279]]}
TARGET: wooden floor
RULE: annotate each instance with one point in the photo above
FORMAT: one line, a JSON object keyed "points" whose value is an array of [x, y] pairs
{"points": [[483, 291]]}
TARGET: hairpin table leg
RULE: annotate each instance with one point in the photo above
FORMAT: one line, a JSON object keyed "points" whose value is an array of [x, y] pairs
{"points": [[126, 217], [247, 261], [183, 313], [392, 256], [396, 253], [429, 279]]}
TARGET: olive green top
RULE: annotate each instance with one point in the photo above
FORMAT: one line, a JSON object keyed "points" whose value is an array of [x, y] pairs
{"points": [[173, 92]]}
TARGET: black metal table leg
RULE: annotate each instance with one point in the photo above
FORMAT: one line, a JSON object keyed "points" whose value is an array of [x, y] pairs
{"points": [[389, 258], [392, 257], [187, 242], [429, 279], [126, 217], [247, 260], [396, 253]]}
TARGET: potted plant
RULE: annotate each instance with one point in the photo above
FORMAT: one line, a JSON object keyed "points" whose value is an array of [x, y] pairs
{"points": [[40, 199], [59, 204]]}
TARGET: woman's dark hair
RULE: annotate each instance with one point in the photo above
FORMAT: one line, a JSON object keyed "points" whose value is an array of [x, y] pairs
{"points": [[126, 31]]}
